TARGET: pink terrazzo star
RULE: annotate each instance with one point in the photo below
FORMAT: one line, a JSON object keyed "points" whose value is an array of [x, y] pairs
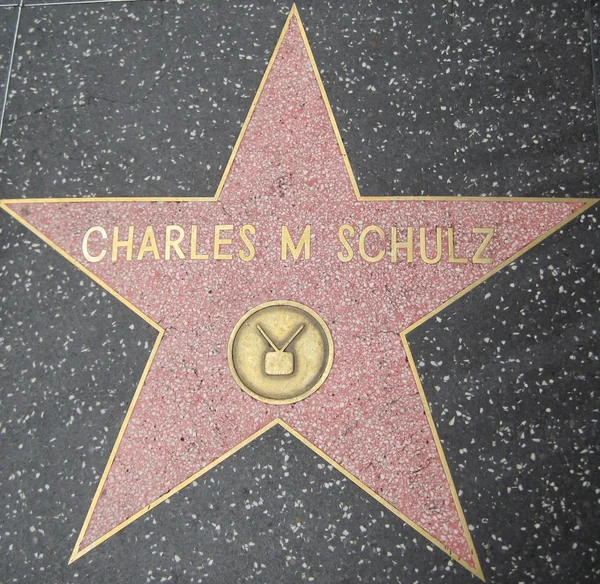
{"points": [[368, 416]]}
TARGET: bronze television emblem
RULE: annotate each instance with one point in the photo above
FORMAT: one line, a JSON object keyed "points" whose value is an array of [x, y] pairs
{"points": [[280, 352]]}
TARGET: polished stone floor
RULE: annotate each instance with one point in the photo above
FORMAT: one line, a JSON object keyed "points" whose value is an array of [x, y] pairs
{"points": [[444, 98]]}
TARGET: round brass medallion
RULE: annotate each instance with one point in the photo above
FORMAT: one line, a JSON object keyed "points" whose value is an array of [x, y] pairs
{"points": [[280, 352]]}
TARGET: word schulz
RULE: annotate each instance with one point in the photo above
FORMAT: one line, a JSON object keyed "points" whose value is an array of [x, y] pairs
{"points": [[372, 244]]}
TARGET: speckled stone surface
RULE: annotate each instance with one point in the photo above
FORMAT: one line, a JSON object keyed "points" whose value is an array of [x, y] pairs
{"points": [[487, 98], [53, 2], [275, 511], [594, 25], [445, 71], [138, 103], [8, 19]]}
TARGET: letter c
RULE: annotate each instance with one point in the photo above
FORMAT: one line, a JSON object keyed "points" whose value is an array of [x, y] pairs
{"points": [[86, 254]]}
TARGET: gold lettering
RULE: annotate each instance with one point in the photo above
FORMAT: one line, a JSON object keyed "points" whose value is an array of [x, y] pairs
{"points": [[451, 257], [303, 243], [148, 244], [423, 246], [249, 255], [407, 245], [194, 255], [173, 243], [86, 253], [127, 243], [219, 241], [361, 243], [342, 236], [489, 233]]}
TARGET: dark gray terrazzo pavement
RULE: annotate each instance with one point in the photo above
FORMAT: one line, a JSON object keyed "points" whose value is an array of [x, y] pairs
{"points": [[440, 98], [484, 100], [593, 11], [8, 20]]}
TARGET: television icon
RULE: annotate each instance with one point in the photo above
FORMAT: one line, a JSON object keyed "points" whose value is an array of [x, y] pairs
{"points": [[277, 361]]}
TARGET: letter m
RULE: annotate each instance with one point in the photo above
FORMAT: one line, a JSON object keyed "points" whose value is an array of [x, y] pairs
{"points": [[296, 250]]}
